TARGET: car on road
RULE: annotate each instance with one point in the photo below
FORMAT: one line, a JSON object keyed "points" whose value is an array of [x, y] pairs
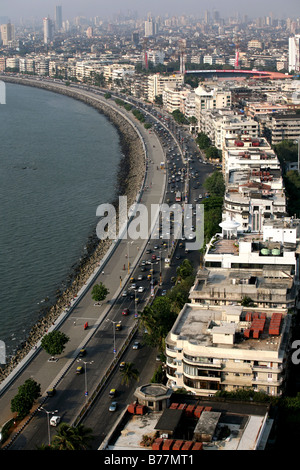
{"points": [[54, 420], [122, 365], [125, 311], [124, 293], [112, 393], [136, 345], [118, 326], [82, 353], [51, 392], [140, 277], [141, 289], [79, 370], [113, 406]]}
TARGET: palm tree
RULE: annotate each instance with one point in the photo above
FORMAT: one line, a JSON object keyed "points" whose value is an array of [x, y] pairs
{"points": [[69, 438], [128, 373]]}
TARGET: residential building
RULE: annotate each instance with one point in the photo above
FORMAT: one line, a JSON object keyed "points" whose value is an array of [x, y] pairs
{"points": [[7, 33], [294, 53], [228, 347], [157, 83]]}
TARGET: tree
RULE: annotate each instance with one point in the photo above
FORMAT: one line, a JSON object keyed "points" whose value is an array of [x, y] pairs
{"points": [[158, 319], [203, 141], [128, 373], [215, 184], [185, 269], [54, 343], [72, 438], [99, 292], [23, 401]]}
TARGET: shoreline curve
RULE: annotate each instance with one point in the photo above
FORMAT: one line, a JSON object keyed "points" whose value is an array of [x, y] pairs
{"points": [[130, 180]]}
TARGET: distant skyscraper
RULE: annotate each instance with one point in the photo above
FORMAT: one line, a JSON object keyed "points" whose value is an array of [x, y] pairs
{"points": [[7, 33], [58, 17], [294, 53], [151, 27], [48, 30]]}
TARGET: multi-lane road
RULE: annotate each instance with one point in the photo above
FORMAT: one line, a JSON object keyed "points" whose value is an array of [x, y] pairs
{"points": [[101, 340]]}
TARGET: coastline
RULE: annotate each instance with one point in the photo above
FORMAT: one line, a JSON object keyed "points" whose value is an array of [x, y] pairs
{"points": [[130, 178]]}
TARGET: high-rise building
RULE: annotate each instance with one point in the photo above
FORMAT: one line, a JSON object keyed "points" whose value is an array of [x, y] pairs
{"points": [[58, 17], [151, 27], [7, 33], [48, 30], [294, 53]]}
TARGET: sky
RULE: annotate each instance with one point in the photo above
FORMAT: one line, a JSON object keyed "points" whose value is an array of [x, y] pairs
{"points": [[16, 9]]}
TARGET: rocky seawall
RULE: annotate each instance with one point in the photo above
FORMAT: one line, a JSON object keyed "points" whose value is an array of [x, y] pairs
{"points": [[129, 182]]}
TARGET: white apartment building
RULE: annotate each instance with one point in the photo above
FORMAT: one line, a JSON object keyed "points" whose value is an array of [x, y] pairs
{"points": [[221, 123], [294, 53], [276, 247], [227, 348], [12, 63], [171, 97], [117, 71], [157, 83], [27, 65], [244, 153], [210, 98]]}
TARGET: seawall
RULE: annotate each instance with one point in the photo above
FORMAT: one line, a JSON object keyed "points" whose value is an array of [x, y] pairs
{"points": [[130, 180]]}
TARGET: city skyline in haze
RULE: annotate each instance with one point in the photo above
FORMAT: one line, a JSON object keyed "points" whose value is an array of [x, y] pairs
{"points": [[71, 8]]}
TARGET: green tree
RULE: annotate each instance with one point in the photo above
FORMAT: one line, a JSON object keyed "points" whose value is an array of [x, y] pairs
{"points": [[203, 141], [214, 184], [72, 438], [158, 319], [23, 401], [129, 373], [99, 292], [184, 270], [54, 343]]}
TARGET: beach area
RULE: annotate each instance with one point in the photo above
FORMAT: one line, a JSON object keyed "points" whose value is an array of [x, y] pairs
{"points": [[129, 182]]}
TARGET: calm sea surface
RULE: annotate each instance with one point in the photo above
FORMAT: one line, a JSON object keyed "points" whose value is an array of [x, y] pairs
{"points": [[59, 160]]}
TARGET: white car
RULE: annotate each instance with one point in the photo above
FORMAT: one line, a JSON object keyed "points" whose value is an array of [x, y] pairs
{"points": [[141, 289], [55, 420]]}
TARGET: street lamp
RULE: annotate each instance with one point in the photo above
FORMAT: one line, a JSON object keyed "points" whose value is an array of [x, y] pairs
{"points": [[48, 420], [85, 375], [114, 330]]}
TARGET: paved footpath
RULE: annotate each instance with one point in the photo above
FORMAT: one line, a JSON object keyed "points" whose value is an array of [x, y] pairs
{"points": [[83, 310]]}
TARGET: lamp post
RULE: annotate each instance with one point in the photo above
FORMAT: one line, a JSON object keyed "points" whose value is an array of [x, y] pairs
{"points": [[114, 330], [85, 375], [48, 420]]}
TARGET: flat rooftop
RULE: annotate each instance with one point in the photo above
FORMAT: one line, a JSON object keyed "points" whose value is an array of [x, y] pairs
{"points": [[196, 324], [244, 420]]}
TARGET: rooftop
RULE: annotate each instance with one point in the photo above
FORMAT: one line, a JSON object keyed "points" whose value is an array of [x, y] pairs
{"points": [[246, 425], [197, 325]]}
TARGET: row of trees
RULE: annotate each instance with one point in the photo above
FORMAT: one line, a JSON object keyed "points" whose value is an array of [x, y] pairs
{"points": [[204, 143]]}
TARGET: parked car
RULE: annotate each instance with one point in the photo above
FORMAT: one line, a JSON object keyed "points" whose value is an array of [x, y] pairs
{"points": [[51, 392]]}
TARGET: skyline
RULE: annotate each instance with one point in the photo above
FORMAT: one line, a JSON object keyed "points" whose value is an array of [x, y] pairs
{"points": [[35, 9]]}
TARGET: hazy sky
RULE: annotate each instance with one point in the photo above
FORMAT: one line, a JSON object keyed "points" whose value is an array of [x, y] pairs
{"points": [[15, 9]]}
